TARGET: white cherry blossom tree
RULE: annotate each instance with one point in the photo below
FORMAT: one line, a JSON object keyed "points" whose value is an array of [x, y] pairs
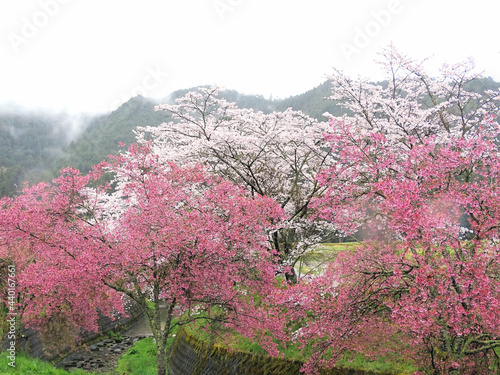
{"points": [[412, 102], [275, 155]]}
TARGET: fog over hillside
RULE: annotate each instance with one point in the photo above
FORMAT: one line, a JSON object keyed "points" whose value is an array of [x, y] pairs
{"points": [[35, 143]]}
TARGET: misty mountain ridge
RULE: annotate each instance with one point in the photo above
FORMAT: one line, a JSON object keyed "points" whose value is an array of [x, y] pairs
{"points": [[36, 144]]}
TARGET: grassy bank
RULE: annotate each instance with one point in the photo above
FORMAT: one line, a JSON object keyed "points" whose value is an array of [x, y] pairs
{"points": [[25, 365], [237, 342], [139, 359]]}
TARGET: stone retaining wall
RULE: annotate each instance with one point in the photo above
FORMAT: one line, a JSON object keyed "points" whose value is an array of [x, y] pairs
{"points": [[31, 342], [190, 356]]}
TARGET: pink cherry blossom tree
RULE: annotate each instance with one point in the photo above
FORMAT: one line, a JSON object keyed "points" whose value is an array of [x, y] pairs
{"points": [[413, 157], [178, 241], [417, 280], [46, 237], [275, 155]]}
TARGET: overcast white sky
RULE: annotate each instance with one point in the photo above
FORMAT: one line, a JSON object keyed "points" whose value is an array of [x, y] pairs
{"points": [[92, 55]]}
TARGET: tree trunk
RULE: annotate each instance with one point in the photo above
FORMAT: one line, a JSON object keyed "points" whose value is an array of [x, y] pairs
{"points": [[291, 277], [155, 317], [160, 335], [161, 342], [161, 359], [160, 332]]}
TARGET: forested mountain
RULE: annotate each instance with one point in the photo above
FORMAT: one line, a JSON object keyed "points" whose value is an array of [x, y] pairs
{"points": [[30, 144], [102, 136], [314, 102], [35, 145], [104, 133]]}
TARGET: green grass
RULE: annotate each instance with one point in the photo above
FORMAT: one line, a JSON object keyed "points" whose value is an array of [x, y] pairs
{"points": [[338, 246], [315, 262], [25, 365], [139, 359], [381, 364]]}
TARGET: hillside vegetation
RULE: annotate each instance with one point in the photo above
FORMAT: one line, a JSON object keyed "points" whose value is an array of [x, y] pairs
{"points": [[34, 146]]}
